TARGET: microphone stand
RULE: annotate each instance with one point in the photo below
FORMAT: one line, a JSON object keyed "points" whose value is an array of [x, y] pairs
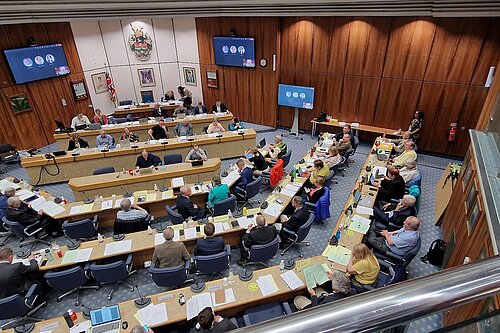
{"points": [[163, 187], [142, 301], [87, 200], [126, 194]]}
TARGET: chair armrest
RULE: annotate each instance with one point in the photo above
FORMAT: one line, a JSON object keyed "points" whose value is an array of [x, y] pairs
{"points": [[246, 319], [147, 219], [187, 265], [394, 257], [174, 207], [86, 270], [384, 265], [95, 221], [286, 308], [128, 261], [31, 295], [33, 229], [235, 323], [288, 233], [228, 250]]}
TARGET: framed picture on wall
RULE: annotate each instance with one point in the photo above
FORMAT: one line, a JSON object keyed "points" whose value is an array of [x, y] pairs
{"points": [[212, 79], [99, 81], [146, 77], [79, 89], [189, 76], [19, 103]]}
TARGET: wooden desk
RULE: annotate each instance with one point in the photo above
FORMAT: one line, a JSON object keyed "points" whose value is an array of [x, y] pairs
{"points": [[365, 128], [231, 144], [443, 192], [145, 110], [111, 183], [140, 129]]}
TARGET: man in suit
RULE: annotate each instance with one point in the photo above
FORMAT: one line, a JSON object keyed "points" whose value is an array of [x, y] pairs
{"points": [[256, 235], [18, 211], [346, 129], [391, 187], [169, 253], [395, 214], [219, 107], [209, 244], [185, 206], [200, 108], [7, 193], [14, 278], [210, 322], [297, 219], [246, 174]]}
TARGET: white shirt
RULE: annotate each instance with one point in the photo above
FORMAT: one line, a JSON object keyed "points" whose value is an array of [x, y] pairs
{"points": [[77, 121]]}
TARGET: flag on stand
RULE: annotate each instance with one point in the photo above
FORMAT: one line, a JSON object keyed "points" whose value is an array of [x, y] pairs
{"points": [[111, 88]]}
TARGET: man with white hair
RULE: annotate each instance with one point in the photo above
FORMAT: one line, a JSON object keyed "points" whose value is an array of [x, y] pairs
{"points": [[7, 193], [183, 128], [396, 214], [185, 206], [104, 140], [399, 242], [398, 145], [17, 211], [130, 211], [278, 149]]}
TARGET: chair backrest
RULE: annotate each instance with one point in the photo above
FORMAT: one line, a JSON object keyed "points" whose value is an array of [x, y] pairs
{"points": [[264, 252], [79, 229], [253, 188], [126, 102], [213, 263], [408, 257], [119, 120], [175, 217], [329, 178], [66, 280], [286, 158], [172, 159], [305, 228], [130, 226], [355, 144], [6, 148], [100, 171], [276, 173], [416, 181], [262, 313], [221, 207], [15, 227], [168, 276], [348, 153], [112, 272], [13, 307]]}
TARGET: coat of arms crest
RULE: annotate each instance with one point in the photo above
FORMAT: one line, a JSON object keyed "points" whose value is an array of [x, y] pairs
{"points": [[140, 42]]}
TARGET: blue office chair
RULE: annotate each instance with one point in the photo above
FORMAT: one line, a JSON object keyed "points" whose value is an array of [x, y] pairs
{"points": [[130, 226], [389, 274], [329, 179], [321, 209], [213, 264], [394, 259], [220, 208], [20, 308], [354, 145], [29, 235], [259, 254], [286, 159], [252, 189], [114, 272], [69, 281], [125, 102], [101, 171], [118, 120], [172, 159], [171, 277], [174, 217], [299, 237], [265, 312], [83, 229], [5, 234]]}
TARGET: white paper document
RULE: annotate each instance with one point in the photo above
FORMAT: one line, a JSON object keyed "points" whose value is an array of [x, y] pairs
{"points": [[108, 204], [176, 235], [51, 208], [245, 221], [364, 210], [190, 233], [38, 203], [75, 210], [231, 177], [24, 194], [288, 193], [228, 295], [381, 170], [118, 247], [81, 327], [292, 280], [219, 227], [198, 303], [153, 314], [83, 255], [4, 183], [177, 182], [274, 209], [159, 239], [292, 187], [267, 285]]}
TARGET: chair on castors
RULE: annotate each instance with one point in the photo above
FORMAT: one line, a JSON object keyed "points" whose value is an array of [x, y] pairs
{"points": [[69, 281], [174, 217], [251, 191], [299, 236], [115, 272], [259, 254], [265, 312], [19, 309], [221, 207], [213, 264], [172, 159], [29, 235], [171, 277]]}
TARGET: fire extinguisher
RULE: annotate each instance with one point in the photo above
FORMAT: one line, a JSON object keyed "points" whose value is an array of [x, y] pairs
{"points": [[452, 132]]}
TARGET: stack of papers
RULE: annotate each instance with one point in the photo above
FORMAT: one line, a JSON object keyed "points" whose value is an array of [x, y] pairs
{"points": [[72, 256], [87, 208], [118, 247], [50, 208], [381, 170], [231, 177], [190, 233], [364, 210], [288, 193], [177, 182], [152, 314], [24, 194], [359, 224], [4, 183], [244, 222], [38, 203], [267, 285], [337, 254], [159, 239], [274, 209], [316, 275], [75, 210], [292, 280], [151, 196], [198, 303], [221, 226], [107, 204]]}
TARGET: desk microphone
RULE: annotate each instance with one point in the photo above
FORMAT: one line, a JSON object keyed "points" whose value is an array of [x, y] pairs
{"points": [[126, 194], [163, 187], [142, 301], [87, 199], [290, 263], [86, 311], [198, 181]]}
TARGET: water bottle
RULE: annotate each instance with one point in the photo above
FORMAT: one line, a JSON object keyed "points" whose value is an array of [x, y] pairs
{"points": [[155, 187], [282, 264], [48, 255], [338, 234], [100, 239], [229, 214], [150, 231]]}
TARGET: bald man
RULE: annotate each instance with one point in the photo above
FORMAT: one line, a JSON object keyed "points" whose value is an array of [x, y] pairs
{"points": [[104, 140], [183, 128], [170, 253], [185, 206]]}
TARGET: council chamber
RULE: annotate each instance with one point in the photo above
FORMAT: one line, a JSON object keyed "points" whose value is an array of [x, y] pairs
{"points": [[206, 167]]}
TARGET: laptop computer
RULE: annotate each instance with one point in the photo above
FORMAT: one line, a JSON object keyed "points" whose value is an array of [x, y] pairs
{"points": [[124, 143], [106, 320], [197, 163], [95, 126], [80, 127], [262, 143]]}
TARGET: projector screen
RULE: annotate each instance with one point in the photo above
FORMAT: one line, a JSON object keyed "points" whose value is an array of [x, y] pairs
{"points": [[234, 51], [296, 96], [37, 63]]}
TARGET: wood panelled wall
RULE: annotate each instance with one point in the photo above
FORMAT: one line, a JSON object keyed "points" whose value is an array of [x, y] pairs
{"points": [[35, 128], [373, 70]]}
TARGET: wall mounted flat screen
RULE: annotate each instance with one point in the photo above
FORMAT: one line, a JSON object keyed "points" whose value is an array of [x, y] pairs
{"points": [[296, 96], [234, 51], [37, 63]]}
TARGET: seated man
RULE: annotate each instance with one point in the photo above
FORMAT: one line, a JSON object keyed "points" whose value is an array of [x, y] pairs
{"points": [[130, 211], [158, 131], [396, 214], [7, 193], [346, 129], [246, 174], [169, 253], [208, 321], [218, 192], [258, 162], [79, 119], [215, 127], [406, 156], [219, 107], [20, 212], [276, 150], [295, 221], [344, 144], [398, 145], [15, 278], [209, 244], [147, 160], [409, 171], [104, 140], [200, 108], [183, 128], [256, 235], [391, 187], [196, 154], [185, 206], [398, 242]]}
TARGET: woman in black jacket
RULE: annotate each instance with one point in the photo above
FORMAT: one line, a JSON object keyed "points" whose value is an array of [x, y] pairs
{"points": [[76, 142]]}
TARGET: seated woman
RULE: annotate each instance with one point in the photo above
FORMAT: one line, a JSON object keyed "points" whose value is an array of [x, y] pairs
{"points": [[363, 267], [341, 287], [333, 157], [236, 124], [100, 118], [215, 127], [169, 96], [218, 192], [391, 187], [258, 161], [313, 194], [76, 142], [319, 169], [128, 135]]}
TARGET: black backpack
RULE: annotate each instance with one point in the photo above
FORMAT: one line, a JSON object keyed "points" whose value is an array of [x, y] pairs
{"points": [[435, 255]]}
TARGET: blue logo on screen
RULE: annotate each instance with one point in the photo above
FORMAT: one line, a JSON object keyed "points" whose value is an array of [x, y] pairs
{"points": [[296, 96]]}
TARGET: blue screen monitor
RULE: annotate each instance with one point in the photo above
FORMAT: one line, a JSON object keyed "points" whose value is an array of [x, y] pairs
{"points": [[37, 63], [234, 51], [296, 96]]}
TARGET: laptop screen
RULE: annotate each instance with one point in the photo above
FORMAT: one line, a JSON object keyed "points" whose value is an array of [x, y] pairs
{"points": [[357, 195], [105, 315], [262, 143]]}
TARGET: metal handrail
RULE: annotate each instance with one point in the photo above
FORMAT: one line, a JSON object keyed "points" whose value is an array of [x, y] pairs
{"points": [[394, 305]]}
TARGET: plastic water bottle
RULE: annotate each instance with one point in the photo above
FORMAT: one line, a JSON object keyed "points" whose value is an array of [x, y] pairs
{"points": [[100, 238], [229, 214], [150, 231], [338, 234], [282, 264], [155, 187], [244, 211], [48, 255]]}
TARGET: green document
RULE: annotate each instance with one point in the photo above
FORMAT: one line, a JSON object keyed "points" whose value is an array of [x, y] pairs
{"points": [[69, 256]]}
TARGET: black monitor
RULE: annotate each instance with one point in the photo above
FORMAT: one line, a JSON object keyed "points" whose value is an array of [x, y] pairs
{"points": [[262, 143], [60, 125]]}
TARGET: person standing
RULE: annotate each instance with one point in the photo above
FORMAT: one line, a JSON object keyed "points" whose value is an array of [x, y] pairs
{"points": [[416, 125]]}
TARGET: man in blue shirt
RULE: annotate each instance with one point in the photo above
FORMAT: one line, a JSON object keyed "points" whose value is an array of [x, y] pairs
{"points": [[399, 242], [104, 140], [183, 128]]}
